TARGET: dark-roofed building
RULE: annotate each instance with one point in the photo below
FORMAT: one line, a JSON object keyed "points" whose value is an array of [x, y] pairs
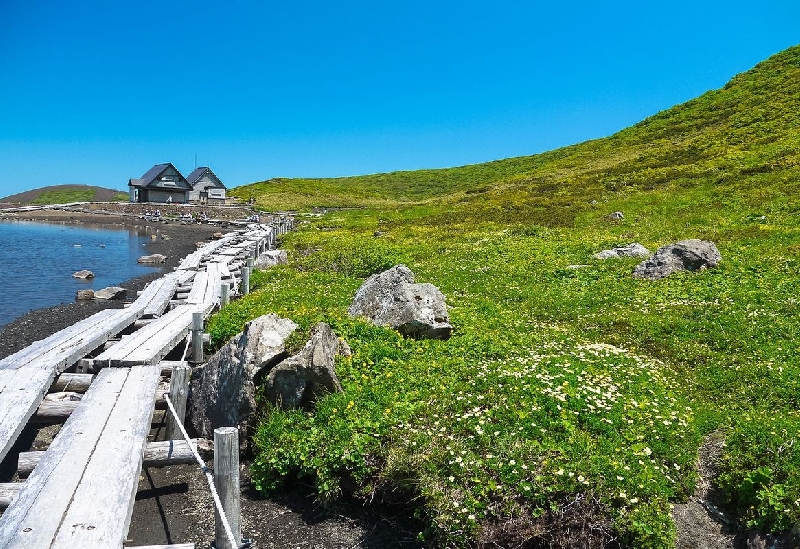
{"points": [[162, 183], [206, 187]]}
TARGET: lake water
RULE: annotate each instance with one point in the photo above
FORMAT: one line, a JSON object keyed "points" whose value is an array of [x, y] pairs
{"points": [[37, 262]]}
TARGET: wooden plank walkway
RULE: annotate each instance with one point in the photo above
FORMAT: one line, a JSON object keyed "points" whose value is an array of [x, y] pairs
{"points": [[26, 375], [81, 494]]}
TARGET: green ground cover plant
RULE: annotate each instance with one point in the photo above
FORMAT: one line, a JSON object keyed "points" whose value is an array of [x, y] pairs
{"points": [[568, 407], [66, 196]]}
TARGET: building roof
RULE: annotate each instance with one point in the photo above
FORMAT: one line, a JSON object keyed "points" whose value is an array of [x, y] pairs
{"points": [[154, 173], [198, 173]]}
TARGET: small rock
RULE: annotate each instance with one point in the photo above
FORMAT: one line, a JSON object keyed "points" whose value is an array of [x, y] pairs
{"points": [[153, 259], [616, 216], [84, 295], [576, 267], [84, 274], [631, 250], [378, 233], [270, 259], [217, 235], [112, 292], [165, 237]]}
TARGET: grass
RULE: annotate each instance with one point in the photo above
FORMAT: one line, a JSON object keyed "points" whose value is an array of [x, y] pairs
{"points": [[69, 195], [569, 405]]}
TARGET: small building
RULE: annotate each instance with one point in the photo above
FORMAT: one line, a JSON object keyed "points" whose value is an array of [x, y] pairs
{"points": [[206, 187], [162, 183]]}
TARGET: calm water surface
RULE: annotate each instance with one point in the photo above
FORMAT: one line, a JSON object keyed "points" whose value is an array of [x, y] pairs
{"points": [[37, 261]]}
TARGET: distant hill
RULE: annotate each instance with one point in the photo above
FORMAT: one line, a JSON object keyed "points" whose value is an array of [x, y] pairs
{"points": [[63, 194]]}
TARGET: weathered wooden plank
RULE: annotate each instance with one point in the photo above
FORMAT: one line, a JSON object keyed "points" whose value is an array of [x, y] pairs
{"points": [[78, 383], [19, 399], [162, 453], [8, 491], [100, 511], [56, 340], [155, 299], [184, 277], [151, 343], [89, 338], [193, 260], [53, 482], [198, 290], [86, 481]]}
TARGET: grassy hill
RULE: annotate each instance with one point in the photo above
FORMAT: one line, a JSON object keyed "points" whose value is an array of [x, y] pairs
{"points": [[64, 194], [569, 407], [742, 130]]}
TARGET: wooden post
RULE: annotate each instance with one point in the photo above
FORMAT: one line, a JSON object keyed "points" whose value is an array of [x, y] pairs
{"points": [[250, 263], [197, 337], [178, 392], [245, 280], [225, 294], [226, 481]]}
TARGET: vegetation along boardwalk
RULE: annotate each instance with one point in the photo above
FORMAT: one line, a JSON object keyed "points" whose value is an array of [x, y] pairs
{"points": [[80, 492]]}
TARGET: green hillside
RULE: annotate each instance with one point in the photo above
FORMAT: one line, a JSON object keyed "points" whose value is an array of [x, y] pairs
{"points": [[727, 136], [65, 194], [569, 407]]}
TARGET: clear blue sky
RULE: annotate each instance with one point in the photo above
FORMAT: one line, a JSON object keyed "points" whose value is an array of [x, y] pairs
{"points": [[98, 91]]}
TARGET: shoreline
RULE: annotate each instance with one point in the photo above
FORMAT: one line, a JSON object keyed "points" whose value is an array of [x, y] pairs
{"points": [[38, 324]]}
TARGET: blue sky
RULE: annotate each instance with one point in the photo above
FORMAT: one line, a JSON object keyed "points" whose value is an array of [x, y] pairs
{"points": [[97, 92]]}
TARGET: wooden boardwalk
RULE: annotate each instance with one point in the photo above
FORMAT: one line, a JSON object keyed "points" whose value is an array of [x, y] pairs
{"points": [[82, 489]]}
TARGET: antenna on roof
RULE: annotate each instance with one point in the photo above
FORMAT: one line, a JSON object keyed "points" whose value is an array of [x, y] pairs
{"points": [[195, 161]]}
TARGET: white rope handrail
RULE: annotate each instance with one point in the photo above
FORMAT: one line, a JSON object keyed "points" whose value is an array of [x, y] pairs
{"points": [[209, 477]]}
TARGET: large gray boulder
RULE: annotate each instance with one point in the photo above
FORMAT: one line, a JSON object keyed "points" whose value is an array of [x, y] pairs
{"points": [[223, 391], [686, 255], [391, 298], [298, 381], [270, 259], [631, 250]]}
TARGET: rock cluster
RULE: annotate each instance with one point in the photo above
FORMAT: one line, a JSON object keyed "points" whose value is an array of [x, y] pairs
{"points": [[223, 392]]}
